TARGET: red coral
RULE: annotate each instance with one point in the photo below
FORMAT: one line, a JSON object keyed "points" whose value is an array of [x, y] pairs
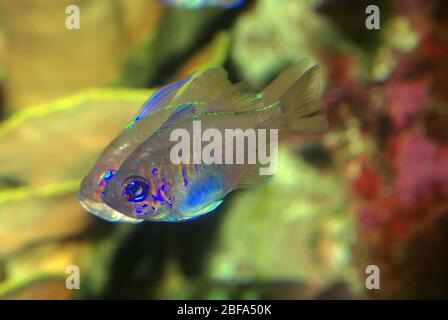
{"points": [[403, 187], [415, 166], [367, 183], [404, 100]]}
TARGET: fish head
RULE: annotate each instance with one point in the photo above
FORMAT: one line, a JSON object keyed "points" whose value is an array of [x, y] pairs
{"points": [[142, 125], [94, 183], [139, 191]]}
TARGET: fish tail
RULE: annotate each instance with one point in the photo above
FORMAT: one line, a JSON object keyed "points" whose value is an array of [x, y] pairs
{"points": [[297, 90], [283, 82]]}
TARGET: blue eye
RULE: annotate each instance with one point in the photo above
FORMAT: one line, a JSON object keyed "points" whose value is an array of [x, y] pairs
{"points": [[135, 189]]}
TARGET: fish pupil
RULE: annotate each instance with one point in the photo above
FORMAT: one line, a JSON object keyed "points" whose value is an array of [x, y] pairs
{"points": [[135, 189]]}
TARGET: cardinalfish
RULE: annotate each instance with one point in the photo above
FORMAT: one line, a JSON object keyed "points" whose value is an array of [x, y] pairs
{"points": [[135, 179], [197, 4]]}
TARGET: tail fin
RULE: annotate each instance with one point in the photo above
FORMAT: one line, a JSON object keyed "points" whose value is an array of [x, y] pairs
{"points": [[298, 99], [283, 82]]}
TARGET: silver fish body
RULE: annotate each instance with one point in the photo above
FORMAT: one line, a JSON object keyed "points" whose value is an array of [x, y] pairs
{"points": [[147, 120], [147, 185]]}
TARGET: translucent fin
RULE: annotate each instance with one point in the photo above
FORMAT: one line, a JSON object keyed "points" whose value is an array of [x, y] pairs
{"points": [[183, 112], [299, 105], [236, 98], [252, 177], [284, 81], [205, 87], [160, 98]]}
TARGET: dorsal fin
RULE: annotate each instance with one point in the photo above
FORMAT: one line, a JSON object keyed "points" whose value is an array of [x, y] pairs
{"points": [[284, 81], [184, 112], [160, 98], [204, 87], [301, 99], [236, 98], [300, 104]]}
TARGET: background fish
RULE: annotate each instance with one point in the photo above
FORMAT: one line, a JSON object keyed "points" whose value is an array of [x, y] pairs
{"points": [[149, 186], [197, 4]]}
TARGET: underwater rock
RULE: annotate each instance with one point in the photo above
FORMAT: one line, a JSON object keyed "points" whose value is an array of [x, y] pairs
{"points": [[37, 219], [63, 138], [419, 270], [396, 161], [40, 135], [43, 60], [213, 54], [272, 34], [45, 288], [295, 228], [39, 272], [153, 61]]}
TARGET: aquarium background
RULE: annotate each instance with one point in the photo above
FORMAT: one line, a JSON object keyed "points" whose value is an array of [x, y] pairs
{"points": [[370, 191]]}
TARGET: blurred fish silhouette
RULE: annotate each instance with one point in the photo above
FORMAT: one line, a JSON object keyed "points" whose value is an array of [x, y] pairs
{"points": [[197, 4], [134, 178]]}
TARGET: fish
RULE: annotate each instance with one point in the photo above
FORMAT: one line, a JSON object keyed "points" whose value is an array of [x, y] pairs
{"points": [[148, 118], [135, 179], [198, 4]]}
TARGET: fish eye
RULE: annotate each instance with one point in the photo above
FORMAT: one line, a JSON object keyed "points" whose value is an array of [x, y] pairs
{"points": [[135, 189], [105, 176]]}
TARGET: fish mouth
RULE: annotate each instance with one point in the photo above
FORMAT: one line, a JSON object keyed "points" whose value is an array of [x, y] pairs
{"points": [[103, 211]]}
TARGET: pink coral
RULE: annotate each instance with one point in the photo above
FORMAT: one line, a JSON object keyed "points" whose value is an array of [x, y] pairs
{"points": [[404, 100]]}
